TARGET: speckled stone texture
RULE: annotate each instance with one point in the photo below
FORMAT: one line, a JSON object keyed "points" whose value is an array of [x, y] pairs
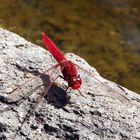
{"points": [[103, 114]]}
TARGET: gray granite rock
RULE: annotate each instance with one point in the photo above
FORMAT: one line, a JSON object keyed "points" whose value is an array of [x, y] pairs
{"points": [[103, 114]]}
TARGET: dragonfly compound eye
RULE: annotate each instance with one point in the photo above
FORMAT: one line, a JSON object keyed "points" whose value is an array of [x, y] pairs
{"points": [[79, 80], [75, 83]]}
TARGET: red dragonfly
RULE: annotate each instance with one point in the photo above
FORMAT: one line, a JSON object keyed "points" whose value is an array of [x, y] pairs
{"points": [[68, 68]]}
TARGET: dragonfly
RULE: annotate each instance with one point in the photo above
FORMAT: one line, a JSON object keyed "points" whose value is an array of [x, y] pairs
{"points": [[67, 67], [69, 74]]}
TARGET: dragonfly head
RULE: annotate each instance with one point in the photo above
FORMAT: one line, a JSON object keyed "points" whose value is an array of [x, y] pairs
{"points": [[75, 82]]}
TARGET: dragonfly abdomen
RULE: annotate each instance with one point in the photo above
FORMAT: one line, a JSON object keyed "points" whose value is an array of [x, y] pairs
{"points": [[53, 49]]}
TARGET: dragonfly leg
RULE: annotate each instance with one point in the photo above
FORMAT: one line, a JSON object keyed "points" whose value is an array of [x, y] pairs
{"points": [[61, 77], [66, 89], [81, 93]]}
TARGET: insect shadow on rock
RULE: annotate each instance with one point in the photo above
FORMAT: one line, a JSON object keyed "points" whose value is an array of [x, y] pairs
{"points": [[57, 96]]}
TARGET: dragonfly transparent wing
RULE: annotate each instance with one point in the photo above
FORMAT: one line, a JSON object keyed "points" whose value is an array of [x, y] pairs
{"points": [[91, 81], [53, 72], [32, 85]]}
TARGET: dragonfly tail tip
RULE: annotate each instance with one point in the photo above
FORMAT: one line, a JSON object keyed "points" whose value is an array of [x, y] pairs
{"points": [[43, 34]]}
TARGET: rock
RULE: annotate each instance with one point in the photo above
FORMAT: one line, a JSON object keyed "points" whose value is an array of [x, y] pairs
{"points": [[108, 110]]}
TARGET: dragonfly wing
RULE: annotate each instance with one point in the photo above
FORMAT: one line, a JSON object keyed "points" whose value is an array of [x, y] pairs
{"points": [[105, 89], [39, 98], [33, 85]]}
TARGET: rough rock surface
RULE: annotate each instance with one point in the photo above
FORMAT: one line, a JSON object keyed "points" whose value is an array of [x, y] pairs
{"points": [[103, 114]]}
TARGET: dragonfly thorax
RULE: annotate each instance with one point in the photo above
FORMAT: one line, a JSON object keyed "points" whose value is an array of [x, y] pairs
{"points": [[70, 75]]}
